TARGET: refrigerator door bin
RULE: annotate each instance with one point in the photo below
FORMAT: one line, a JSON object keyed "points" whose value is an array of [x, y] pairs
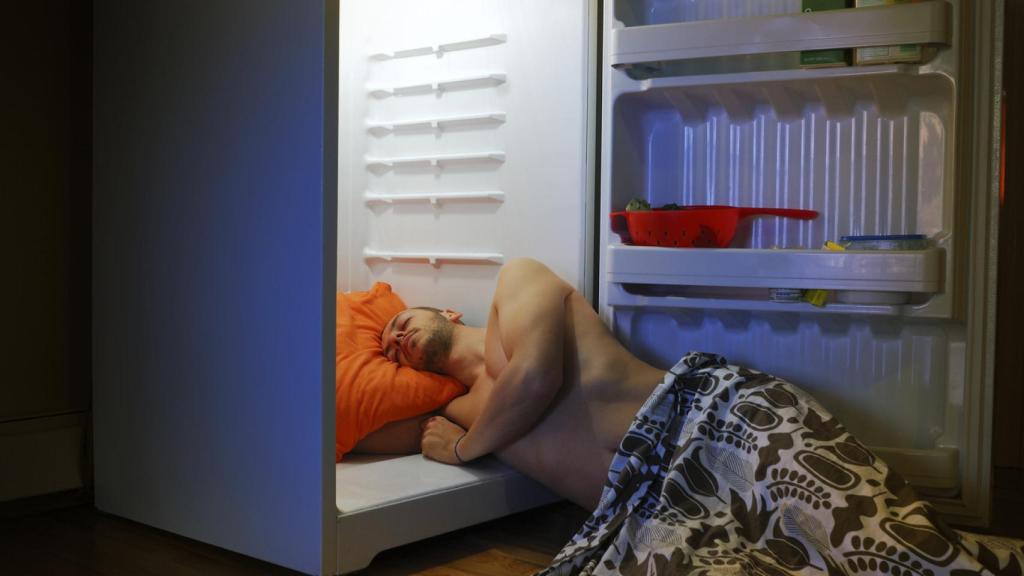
{"points": [[888, 271], [917, 23], [890, 277], [651, 12]]}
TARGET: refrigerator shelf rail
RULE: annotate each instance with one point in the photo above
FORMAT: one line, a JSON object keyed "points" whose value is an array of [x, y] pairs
{"points": [[622, 296], [918, 23], [876, 271], [434, 198], [434, 160], [773, 77], [440, 86], [440, 49], [435, 124], [434, 258]]}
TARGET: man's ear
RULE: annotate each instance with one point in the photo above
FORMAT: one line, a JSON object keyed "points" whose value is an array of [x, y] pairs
{"points": [[452, 315]]}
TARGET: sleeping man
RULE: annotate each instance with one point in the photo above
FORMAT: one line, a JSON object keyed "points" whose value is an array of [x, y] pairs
{"points": [[705, 467]]}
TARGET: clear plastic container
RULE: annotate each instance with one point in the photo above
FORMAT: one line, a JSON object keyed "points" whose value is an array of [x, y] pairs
{"points": [[885, 242]]}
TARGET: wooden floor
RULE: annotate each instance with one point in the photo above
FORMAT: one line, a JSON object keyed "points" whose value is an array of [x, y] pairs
{"points": [[514, 546], [78, 540], [81, 541]]}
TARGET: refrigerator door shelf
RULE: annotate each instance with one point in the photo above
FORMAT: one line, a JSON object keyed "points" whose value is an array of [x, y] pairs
{"points": [[872, 270], [439, 49], [917, 23]]}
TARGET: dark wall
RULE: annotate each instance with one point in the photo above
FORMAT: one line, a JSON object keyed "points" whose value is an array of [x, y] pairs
{"points": [[45, 181], [1008, 428]]}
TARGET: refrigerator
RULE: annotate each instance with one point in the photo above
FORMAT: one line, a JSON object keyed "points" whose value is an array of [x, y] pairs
{"points": [[473, 133], [252, 160]]}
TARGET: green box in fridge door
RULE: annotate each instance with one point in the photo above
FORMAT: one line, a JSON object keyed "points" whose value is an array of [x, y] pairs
{"points": [[824, 58], [911, 53]]}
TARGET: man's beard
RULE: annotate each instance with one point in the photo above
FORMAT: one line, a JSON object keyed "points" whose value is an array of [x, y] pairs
{"points": [[438, 345]]}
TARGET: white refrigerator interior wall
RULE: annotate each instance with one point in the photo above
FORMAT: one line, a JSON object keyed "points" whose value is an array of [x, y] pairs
{"points": [[465, 140], [462, 145]]}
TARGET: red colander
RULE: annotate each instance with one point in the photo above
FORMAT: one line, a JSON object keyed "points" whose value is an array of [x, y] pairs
{"points": [[691, 226]]}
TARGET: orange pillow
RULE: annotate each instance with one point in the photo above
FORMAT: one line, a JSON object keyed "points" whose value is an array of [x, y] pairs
{"points": [[371, 390]]}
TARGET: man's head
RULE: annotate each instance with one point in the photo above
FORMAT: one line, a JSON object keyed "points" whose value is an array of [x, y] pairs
{"points": [[420, 337]]}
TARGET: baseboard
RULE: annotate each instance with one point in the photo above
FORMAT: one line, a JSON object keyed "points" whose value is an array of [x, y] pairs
{"points": [[41, 455]]}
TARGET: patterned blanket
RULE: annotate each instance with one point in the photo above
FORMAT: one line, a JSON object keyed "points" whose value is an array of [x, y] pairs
{"points": [[730, 471]]}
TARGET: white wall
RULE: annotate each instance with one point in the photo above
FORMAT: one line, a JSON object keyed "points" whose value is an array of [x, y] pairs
{"points": [[213, 410]]}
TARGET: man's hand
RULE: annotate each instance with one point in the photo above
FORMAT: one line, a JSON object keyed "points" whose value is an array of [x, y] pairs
{"points": [[439, 438]]}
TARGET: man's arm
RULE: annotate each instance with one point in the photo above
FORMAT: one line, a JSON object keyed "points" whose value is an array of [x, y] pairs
{"points": [[464, 409], [400, 437], [529, 306]]}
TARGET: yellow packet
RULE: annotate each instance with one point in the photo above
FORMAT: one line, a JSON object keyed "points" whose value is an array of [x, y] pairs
{"points": [[815, 296]]}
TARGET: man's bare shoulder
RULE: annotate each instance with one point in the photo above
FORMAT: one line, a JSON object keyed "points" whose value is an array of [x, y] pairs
{"points": [[524, 275], [528, 298]]}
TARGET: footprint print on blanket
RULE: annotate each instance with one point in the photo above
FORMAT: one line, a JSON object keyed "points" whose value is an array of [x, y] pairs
{"points": [[726, 469]]}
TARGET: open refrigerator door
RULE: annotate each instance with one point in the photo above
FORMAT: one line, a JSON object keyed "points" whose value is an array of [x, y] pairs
{"points": [[706, 103]]}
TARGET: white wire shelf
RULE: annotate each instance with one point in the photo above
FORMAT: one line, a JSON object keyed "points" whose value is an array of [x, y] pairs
{"points": [[436, 124], [440, 86], [433, 197], [434, 258], [917, 23], [439, 49], [434, 160]]}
